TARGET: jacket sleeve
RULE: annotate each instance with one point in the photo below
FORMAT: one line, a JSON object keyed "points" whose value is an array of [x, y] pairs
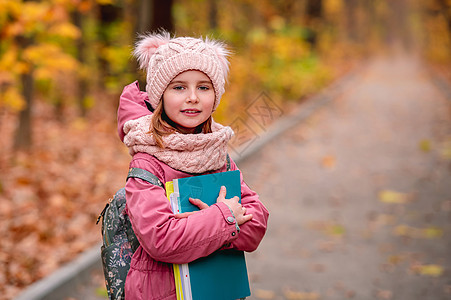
{"points": [[166, 238], [252, 232]]}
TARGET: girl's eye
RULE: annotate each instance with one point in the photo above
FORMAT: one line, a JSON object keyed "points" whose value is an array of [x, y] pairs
{"points": [[178, 87], [204, 88]]}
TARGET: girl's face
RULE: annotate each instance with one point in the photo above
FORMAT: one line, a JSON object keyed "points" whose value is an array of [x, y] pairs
{"points": [[188, 100]]}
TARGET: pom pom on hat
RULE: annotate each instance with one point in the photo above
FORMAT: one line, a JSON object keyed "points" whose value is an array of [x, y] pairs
{"points": [[147, 46], [164, 58]]}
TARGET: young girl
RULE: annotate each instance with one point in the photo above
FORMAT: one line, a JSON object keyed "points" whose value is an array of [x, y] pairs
{"points": [[185, 82]]}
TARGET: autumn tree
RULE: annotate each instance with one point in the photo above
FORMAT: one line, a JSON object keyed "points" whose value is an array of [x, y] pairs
{"points": [[32, 36]]}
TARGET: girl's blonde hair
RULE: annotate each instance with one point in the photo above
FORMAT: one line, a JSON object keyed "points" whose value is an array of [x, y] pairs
{"points": [[162, 126]]}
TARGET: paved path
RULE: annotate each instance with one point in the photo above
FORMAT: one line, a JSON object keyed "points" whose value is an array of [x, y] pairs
{"points": [[359, 194]]}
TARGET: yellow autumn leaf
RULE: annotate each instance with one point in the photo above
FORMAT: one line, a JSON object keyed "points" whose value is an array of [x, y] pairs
{"points": [[431, 270], [433, 232], [389, 196], [333, 7], [10, 6], [89, 102], [8, 58], [21, 68], [79, 124], [336, 230], [396, 259], [63, 62], [264, 294], [403, 230], [33, 12], [50, 56], [117, 57], [39, 52], [425, 145], [296, 295], [65, 30], [102, 292], [430, 232], [104, 2], [43, 73], [12, 99]]}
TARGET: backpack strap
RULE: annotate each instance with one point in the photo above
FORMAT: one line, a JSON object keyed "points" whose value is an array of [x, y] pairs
{"points": [[144, 175]]}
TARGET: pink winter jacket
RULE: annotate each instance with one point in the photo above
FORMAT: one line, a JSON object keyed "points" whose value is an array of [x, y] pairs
{"points": [[165, 240]]}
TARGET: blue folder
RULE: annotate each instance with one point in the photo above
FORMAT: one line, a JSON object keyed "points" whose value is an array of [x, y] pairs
{"points": [[223, 274]]}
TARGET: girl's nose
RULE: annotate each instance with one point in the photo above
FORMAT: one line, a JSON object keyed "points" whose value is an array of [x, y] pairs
{"points": [[192, 97]]}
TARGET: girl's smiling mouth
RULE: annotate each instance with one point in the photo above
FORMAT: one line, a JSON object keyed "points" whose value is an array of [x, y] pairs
{"points": [[190, 111]]}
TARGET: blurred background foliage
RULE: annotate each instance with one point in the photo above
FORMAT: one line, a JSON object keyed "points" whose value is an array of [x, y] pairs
{"points": [[73, 53]]}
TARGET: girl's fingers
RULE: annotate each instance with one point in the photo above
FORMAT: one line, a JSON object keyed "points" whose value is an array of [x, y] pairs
{"points": [[184, 215], [197, 202], [246, 218], [222, 192]]}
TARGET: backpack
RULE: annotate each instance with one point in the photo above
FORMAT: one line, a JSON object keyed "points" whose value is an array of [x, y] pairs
{"points": [[119, 240]]}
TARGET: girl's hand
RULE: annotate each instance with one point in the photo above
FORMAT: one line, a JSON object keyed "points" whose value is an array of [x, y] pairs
{"points": [[195, 202], [237, 209]]}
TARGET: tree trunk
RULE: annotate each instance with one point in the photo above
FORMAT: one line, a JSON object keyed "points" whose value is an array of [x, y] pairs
{"points": [[145, 14], [108, 14], [82, 82], [23, 138], [445, 8], [162, 15], [213, 15], [350, 22], [314, 12], [23, 135]]}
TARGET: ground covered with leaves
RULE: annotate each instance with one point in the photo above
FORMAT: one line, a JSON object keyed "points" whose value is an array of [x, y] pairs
{"points": [[50, 197]]}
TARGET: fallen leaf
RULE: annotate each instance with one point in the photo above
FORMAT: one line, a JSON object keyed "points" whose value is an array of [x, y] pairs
{"points": [[385, 294], [389, 196], [430, 232], [328, 161], [433, 232], [264, 294], [350, 294], [446, 150], [395, 259], [328, 228], [296, 295], [336, 230], [431, 270], [425, 145], [102, 292]]}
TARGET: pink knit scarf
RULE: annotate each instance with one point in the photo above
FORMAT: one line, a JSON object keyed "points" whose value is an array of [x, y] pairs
{"points": [[192, 153]]}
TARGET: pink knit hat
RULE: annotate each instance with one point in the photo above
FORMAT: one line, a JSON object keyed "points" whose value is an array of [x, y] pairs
{"points": [[164, 58]]}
